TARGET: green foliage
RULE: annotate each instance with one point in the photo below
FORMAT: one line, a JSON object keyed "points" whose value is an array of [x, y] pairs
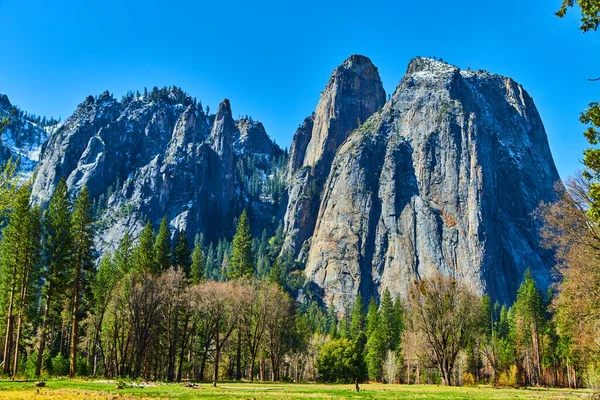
{"points": [[58, 244], [591, 157], [376, 348], [372, 317], [357, 322], [332, 322], [197, 273], [9, 181], [82, 234], [143, 255], [276, 275], [182, 253], [241, 262], [590, 13], [60, 365], [530, 323], [341, 362], [162, 246], [123, 255]]}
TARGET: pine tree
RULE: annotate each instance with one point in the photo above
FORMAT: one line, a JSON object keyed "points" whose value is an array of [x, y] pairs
{"points": [[357, 322], [376, 348], [162, 246], [240, 264], [143, 254], [197, 268], [372, 317], [392, 320], [530, 323], [82, 233], [58, 246], [332, 322], [276, 274], [19, 262], [123, 255], [182, 253], [345, 322]]}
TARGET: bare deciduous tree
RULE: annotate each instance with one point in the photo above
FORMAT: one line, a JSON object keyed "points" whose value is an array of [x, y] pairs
{"points": [[445, 311]]}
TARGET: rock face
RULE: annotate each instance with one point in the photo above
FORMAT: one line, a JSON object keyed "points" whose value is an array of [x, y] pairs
{"points": [[148, 157], [22, 138], [354, 92], [444, 178]]}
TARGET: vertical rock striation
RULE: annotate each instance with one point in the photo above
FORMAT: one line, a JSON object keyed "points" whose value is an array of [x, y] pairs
{"points": [[148, 157], [445, 178], [354, 92]]}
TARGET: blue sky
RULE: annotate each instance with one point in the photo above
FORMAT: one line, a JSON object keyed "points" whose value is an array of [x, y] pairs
{"points": [[273, 58]]}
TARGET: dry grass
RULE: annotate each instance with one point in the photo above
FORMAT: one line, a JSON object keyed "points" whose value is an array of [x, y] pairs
{"points": [[103, 390]]}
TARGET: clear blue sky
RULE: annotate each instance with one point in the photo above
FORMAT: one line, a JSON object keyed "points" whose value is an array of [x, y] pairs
{"points": [[273, 58]]}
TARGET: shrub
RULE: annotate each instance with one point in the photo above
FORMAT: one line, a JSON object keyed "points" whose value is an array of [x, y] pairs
{"points": [[468, 379], [592, 377], [60, 365], [341, 362], [508, 378]]}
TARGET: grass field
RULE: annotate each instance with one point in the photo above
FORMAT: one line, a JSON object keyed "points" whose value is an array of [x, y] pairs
{"points": [[96, 390]]}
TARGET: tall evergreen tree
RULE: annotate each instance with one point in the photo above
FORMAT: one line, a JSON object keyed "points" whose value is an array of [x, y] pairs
{"points": [[182, 253], [241, 262], [530, 323], [57, 256], [392, 320], [122, 258], [332, 322], [162, 246], [143, 254], [357, 322], [19, 274], [197, 267], [82, 233], [376, 348], [372, 317], [276, 274]]}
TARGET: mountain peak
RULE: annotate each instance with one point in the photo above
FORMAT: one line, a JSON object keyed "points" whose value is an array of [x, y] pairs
{"points": [[4, 102], [224, 109], [356, 60], [429, 65]]}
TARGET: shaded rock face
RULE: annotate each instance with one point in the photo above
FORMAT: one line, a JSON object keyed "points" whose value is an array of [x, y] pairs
{"points": [[299, 145], [444, 178], [253, 139], [354, 92], [143, 159]]}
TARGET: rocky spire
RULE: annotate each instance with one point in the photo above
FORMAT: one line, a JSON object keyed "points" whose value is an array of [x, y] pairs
{"points": [[354, 92], [223, 131]]}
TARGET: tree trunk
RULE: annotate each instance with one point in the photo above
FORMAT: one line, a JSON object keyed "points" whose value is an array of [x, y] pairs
{"points": [[75, 322], [252, 359], [238, 368], [9, 331], [42, 347], [19, 331], [217, 356], [262, 369], [202, 366]]}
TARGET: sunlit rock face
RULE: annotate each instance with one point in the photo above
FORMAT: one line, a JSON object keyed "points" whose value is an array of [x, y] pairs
{"points": [[354, 92], [443, 179], [145, 158]]}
